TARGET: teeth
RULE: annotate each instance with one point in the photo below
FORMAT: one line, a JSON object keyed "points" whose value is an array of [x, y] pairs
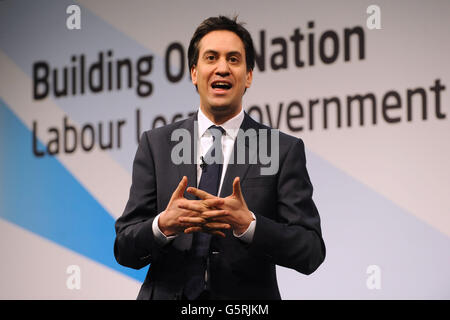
{"points": [[223, 85]]}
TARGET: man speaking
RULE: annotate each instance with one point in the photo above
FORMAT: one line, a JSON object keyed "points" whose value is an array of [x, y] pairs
{"points": [[216, 226]]}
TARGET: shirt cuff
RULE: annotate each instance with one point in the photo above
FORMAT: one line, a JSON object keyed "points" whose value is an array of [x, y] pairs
{"points": [[247, 236], [160, 237]]}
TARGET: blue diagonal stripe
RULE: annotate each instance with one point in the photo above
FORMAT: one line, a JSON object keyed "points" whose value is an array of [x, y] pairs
{"points": [[41, 195]]}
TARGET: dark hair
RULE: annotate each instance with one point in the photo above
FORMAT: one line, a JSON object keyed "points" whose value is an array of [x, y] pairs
{"points": [[221, 23]]}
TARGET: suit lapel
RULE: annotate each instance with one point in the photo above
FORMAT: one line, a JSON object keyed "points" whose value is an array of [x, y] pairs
{"points": [[189, 169], [184, 241]]}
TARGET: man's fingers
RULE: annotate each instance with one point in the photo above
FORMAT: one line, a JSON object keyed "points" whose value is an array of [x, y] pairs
{"points": [[201, 205], [192, 206], [193, 229], [191, 221], [213, 214], [214, 202], [200, 193], [216, 225], [179, 191]]}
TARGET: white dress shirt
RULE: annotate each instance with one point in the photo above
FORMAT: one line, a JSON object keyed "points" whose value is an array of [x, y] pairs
{"points": [[204, 142]]}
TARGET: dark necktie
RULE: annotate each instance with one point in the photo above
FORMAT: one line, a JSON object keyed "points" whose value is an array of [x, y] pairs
{"points": [[209, 182]]}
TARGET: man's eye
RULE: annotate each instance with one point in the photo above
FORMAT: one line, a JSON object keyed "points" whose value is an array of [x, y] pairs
{"points": [[234, 59], [210, 58]]}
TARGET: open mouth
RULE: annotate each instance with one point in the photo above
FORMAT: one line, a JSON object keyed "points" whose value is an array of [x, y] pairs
{"points": [[221, 85]]}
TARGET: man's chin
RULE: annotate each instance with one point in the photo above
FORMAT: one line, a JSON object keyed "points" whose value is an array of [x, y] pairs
{"points": [[221, 108], [222, 112]]}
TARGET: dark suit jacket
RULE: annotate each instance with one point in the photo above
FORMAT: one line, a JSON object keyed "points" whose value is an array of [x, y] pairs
{"points": [[287, 229]]}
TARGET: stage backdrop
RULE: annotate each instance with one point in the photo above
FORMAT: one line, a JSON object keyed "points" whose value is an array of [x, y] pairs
{"points": [[365, 84]]}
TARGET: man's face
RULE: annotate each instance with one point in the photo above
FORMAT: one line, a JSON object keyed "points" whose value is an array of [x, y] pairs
{"points": [[221, 74]]}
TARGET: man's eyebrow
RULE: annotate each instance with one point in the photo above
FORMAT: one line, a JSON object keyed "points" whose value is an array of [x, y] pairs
{"points": [[210, 51], [233, 53]]}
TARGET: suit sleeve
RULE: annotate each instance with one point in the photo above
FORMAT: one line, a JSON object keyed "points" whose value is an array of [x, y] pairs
{"points": [[135, 244], [294, 239]]}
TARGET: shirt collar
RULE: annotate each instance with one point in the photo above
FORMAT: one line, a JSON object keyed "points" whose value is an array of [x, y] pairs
{"points": [[231, 126]]}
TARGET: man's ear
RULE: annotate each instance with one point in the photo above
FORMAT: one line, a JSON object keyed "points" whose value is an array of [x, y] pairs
{"points": [[194, 75], [249, 78]]}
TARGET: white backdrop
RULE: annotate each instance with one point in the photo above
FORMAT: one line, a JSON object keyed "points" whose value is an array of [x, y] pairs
{"points": [[372, 106]]}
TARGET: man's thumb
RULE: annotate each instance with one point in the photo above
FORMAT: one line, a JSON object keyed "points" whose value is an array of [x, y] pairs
{"points": [[237, 188]]}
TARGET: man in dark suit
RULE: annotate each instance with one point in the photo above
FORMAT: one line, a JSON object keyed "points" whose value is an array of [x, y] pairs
{"points": [[213, 226]]}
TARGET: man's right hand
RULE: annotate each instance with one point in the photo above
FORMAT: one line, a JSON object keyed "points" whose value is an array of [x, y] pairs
{"points": [[175, 220]]}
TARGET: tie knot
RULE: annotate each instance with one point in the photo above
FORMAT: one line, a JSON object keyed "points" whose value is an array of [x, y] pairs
{"points": [[216, 131]]}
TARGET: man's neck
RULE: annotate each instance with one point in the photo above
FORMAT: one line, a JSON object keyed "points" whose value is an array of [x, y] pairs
{"points": [[219, 119]]}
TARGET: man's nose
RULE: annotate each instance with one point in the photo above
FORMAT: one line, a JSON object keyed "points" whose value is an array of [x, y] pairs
{"points": [[222, 68]]}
